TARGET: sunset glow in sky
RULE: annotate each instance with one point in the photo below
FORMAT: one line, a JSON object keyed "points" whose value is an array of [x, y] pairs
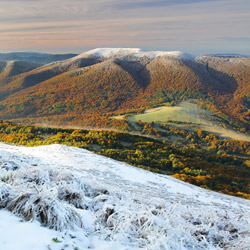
{"points": [[63, 26]]}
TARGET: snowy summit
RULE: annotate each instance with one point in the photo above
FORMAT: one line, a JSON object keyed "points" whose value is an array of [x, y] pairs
{"points": [[136, 52], [57, 197]]}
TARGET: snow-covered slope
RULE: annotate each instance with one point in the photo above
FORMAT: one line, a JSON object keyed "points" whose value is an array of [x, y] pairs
{"points": [[136, 52], [92, 202]]}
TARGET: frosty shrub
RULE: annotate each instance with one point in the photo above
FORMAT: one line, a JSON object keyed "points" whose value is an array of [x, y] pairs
{"points": [[73, 197], [5, 192], [47, 209]]}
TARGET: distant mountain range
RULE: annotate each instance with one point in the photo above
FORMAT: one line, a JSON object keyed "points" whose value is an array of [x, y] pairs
{"points": [[230, 55], [106, 81], [34, 57]]}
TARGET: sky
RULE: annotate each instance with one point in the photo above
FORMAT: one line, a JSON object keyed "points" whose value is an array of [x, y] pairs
{"points": [[64, 26]]}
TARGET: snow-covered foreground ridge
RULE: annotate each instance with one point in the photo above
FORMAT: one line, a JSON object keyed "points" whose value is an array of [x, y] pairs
{"points": [[92, 202]]}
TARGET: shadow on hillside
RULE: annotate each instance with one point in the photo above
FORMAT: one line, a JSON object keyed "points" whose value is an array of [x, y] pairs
{"points": [[137, 70], [32, 80], [20, 67], [212, 78], [2, 66]]}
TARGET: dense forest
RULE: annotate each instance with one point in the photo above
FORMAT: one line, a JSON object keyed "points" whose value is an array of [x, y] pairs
{"points": [[196, 157]]}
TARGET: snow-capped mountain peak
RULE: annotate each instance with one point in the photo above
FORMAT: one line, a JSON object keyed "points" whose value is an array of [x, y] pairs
{"points": [[109, 52], [136, 52]]}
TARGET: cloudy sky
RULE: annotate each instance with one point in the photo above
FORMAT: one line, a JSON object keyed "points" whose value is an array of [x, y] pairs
{"points": [[61, 26]]}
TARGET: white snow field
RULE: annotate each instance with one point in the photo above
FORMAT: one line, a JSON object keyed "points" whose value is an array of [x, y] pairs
{"points": [[57, 197]]}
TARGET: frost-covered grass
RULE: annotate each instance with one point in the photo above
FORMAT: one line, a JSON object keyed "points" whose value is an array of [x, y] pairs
{"points": [[92, 202]]}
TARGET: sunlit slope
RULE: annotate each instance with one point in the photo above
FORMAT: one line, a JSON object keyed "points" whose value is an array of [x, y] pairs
{"points": [[103, 87], [170, 73]]}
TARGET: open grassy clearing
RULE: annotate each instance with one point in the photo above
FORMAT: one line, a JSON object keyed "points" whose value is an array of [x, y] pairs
{"points": [[187, 112], [224, 132]]}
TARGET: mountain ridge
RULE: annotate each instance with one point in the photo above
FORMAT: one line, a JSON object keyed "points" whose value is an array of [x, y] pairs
{"points": [[34, 57], [85, 84]]}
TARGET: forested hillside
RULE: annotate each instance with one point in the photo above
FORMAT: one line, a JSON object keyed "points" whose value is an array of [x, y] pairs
{"points": [[89, 89]]}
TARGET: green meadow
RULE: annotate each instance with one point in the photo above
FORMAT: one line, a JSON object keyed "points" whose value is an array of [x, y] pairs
{"points": [[187, 112]]}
